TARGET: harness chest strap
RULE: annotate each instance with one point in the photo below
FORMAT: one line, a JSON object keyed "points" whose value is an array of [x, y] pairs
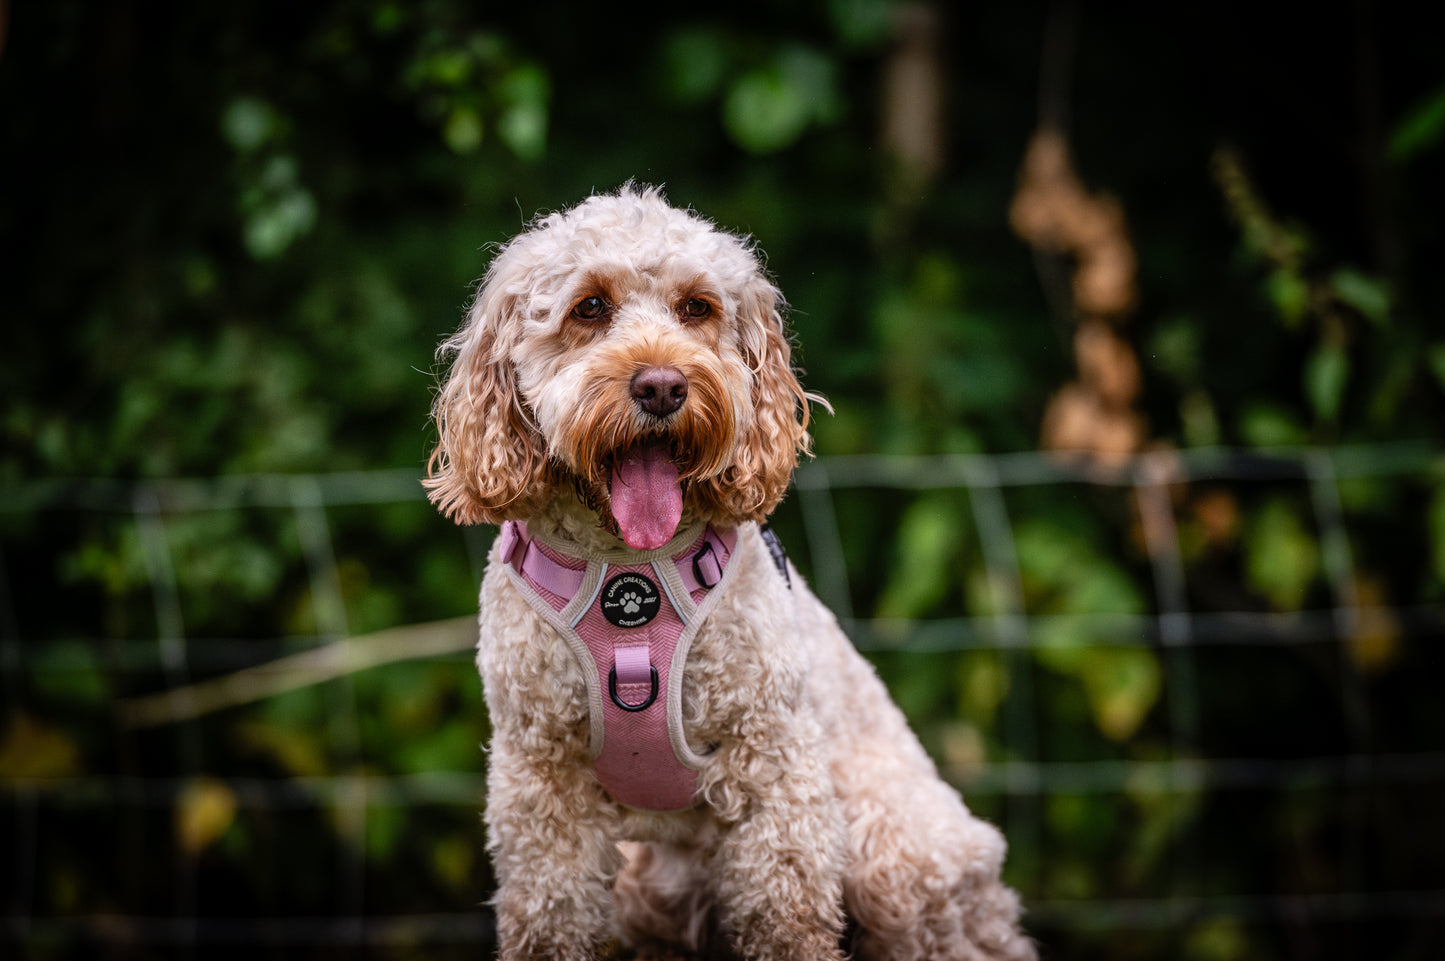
{"points": [[629, 619]]}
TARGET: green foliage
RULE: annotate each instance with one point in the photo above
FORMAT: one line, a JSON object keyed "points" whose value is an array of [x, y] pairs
{"points": [[1420, 129], [928, 543], [1369, 296], [861, 23], [1435, 357], [473, 79], [944, 364], [1263, 424], [1334, 314], [982, 684], [770, 106], [1325, 374], [1064, 575], [1436, 521], [1281, 556]]}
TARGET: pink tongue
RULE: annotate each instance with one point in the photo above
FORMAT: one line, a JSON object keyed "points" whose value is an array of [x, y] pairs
{"points": [[646, 496]]}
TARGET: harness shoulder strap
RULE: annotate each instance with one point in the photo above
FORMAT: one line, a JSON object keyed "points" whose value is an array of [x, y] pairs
{"points": [[535, 563], [774, 545]]}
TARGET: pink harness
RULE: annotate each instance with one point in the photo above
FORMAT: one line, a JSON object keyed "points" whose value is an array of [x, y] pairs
{"points": [[629, 618]]}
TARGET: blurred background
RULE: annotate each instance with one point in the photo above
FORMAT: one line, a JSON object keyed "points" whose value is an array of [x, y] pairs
{"points": [[1133, 492]]}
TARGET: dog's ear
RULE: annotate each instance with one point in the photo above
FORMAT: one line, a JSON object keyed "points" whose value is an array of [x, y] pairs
{"points": [[490, 463], [777, 434]]}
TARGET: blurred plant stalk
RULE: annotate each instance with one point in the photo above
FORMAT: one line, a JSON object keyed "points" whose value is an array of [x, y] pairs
{"points": [[330, 661]]}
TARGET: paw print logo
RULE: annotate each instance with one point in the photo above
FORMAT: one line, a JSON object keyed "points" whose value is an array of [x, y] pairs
{"points": [[629, 599]]}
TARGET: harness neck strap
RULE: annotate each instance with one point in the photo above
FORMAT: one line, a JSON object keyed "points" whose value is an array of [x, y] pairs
{"points": [[700, 567]]}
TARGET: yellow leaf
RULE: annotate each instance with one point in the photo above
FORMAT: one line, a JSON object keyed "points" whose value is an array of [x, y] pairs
{"points": [[1122, 685], [300, 752], [1374, 645], [204, 810], [31, 750], [454, 858]]}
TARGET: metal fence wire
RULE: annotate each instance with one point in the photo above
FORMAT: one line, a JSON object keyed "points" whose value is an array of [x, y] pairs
{"points": [[238, 720]]}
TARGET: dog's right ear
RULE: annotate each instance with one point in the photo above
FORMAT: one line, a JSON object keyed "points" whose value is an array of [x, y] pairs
{"points": [[490, 463]]}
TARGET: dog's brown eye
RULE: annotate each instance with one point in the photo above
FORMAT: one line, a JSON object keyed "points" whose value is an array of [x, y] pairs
{"points": [[589, 308], [696, 308]]}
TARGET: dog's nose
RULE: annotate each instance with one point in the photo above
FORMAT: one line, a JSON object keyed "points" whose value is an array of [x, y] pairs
{"points": [[659, 390]]}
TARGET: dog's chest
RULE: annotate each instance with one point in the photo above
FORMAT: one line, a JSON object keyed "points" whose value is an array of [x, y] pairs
{"points": [[647, 660]]}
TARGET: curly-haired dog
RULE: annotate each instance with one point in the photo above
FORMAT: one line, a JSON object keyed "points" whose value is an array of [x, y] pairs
{"points": [[687, 753]]}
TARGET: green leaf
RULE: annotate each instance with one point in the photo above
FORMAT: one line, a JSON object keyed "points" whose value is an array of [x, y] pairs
{"points": [[70, 672], [928, 538], [1366, 294], [463, 132], [1218, 939], [1290, 295], [1174, 348], [1435, 359], [1419, 130], [446, 68], [1325, 374], [275, 227], [694, 64], [1281, 556], [523, 123], [769, 107], [1067, 574], [981, 682], [279, 210], [248, 123], [1198, 419], [387, 18], [1436, 523], [1266, 425], [1122, 684], [385, 825], [764, 112], [523, 129]]}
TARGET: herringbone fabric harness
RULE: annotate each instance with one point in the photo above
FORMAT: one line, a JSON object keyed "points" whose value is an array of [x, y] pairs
{"points": [[629, 618]]}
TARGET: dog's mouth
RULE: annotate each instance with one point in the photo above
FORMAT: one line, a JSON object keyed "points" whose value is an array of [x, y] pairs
{"points": [[645, 491], [641, 469]]}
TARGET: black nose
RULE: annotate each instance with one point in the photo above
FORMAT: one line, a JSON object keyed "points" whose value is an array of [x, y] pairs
{"points": [[659, 390]]}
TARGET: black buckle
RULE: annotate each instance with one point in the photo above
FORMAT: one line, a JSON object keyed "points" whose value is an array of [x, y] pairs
{"points": [[612, 690]]}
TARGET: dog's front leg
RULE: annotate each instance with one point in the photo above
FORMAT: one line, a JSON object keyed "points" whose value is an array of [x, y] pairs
{"points": [[780, 865], [554, 855]]}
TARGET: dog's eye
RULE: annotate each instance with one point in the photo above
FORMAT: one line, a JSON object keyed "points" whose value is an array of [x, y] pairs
{"points": [[696, 308], [589, 308]]}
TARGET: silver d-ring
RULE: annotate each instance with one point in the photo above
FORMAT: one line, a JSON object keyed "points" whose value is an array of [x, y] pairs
{"points": [[612, 690]]}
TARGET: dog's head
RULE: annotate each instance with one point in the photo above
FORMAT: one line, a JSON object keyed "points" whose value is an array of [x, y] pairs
{"points": [[629, 351]]}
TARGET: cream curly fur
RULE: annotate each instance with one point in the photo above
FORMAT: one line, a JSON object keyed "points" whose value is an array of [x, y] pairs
{"points": [[816, 805]]}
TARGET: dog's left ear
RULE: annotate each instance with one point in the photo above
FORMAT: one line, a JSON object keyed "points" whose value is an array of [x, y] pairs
{"points": [[777, 434]]}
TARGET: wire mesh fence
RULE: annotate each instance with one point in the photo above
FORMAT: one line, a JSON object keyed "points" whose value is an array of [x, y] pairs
{"points": [[1197, 689]]}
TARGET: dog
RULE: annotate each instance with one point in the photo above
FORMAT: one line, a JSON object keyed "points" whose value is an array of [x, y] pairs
{"points": [[688, 757]]}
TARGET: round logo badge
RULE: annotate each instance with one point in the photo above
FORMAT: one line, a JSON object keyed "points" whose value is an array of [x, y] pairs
{"points": [[630, 600]]}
